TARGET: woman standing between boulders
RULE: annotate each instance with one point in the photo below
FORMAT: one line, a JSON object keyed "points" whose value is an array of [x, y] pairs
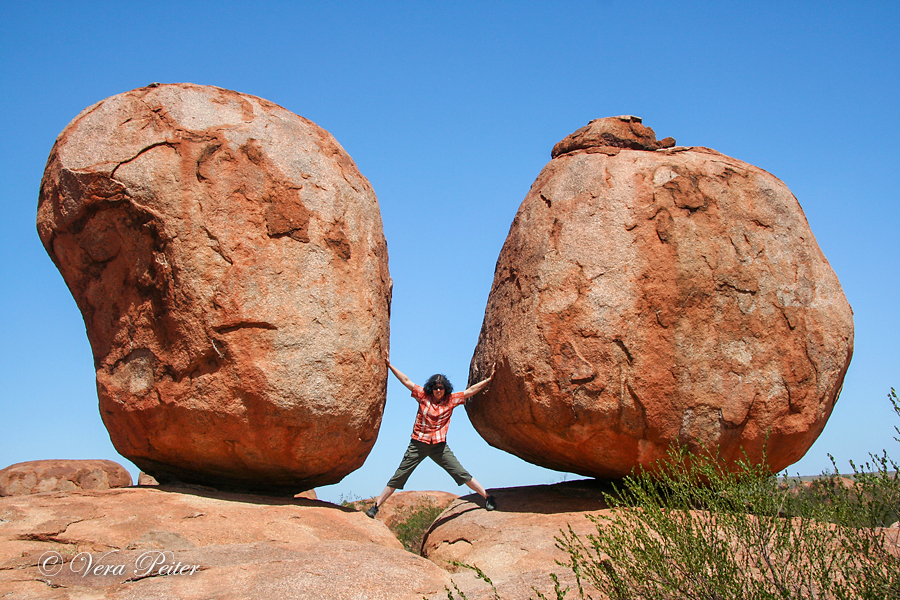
{"points": [[429, 437]]}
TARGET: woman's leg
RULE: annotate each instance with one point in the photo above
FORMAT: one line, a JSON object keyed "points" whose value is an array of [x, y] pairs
{"points": [[415, 454], [472, 483], [445, 458], [384, 495]]}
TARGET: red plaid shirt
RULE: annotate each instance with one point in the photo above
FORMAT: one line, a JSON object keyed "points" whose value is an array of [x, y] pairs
{"points": [[433, 418]]}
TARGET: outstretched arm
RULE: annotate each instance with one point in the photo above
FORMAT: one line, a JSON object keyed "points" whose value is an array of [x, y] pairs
{"points": [[477, 387], [403, 378]]}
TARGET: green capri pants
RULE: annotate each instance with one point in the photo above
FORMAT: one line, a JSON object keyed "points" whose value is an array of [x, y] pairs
{"points": [[418, 451]]}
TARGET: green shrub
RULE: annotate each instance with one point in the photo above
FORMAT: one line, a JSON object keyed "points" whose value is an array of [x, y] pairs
{"points": [[731, 535], [350, 500], [693, 529], [411, 522], [696, 530]]}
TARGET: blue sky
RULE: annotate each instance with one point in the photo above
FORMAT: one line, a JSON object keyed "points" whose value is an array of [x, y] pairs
{"points": [[450, 110]]}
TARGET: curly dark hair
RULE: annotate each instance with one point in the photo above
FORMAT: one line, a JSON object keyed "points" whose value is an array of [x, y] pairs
{"points": [[438, 379]]}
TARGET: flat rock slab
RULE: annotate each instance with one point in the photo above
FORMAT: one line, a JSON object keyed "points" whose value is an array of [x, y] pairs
{"points": [[177, 543], [515, 545]]}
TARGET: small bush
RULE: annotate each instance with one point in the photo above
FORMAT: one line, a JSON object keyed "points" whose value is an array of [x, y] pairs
{"points": [[350, 500], [732, 535], [411, 522], [695, 530], [701, 531]]}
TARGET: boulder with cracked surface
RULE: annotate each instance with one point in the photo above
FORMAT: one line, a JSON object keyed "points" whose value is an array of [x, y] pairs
{"points": [[607, 134], [647, 297], [229, 261]]}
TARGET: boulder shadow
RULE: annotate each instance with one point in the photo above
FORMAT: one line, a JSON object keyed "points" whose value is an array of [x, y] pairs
{"points": [[582, 495], [245, 497], [579, 496]]}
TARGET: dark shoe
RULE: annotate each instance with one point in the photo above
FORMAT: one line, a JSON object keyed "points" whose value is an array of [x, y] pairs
{"points": [[490, 503], [373, 510]]}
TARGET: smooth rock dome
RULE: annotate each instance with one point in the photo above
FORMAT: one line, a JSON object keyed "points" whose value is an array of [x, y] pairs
{"points": [[229, 261], [650, 295]]}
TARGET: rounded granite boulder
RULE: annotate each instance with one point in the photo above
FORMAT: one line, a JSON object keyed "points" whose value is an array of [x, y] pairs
{"points": [[650, 295], [230, 264]]}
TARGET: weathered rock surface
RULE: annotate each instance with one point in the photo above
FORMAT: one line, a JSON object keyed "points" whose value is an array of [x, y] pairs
{"points": [[144, 479], [400, 504], [308, 494], [651, 297], [211, 544], [38, 476], [229, 261], [600, 135], [515, 545]]}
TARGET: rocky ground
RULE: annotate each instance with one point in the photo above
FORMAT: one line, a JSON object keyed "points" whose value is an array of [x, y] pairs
{"points": [[186, 542]]}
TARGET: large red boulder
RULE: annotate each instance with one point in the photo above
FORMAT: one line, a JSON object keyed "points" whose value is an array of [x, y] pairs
{"points": [[650, 295], [229, 261]]}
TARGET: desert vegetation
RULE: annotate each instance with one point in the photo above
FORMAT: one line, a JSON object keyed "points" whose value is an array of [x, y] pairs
{"points": [[693, 530], [412, 522], [408, 523]]}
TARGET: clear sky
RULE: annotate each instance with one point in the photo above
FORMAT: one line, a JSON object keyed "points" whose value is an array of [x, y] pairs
{"points": [[451, 110]]}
